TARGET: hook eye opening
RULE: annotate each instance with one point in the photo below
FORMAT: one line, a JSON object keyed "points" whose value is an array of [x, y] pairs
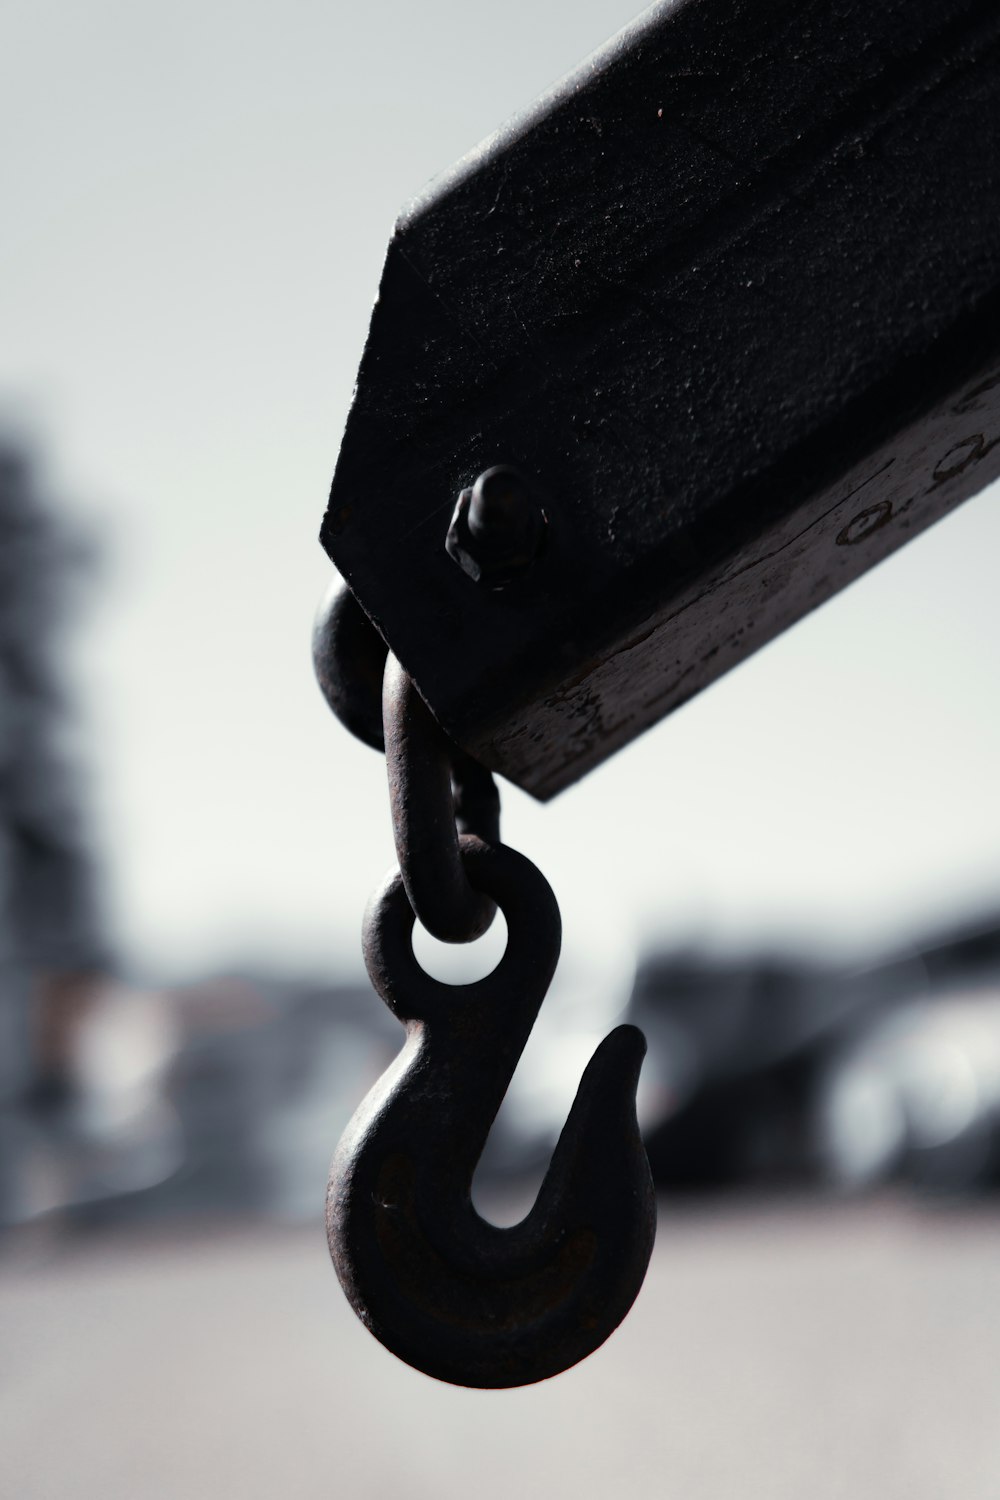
{"points": [[533, 936], [460, 964]]}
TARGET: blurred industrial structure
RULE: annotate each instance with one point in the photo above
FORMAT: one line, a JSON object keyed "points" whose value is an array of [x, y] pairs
{"points": [[772, 1071]]}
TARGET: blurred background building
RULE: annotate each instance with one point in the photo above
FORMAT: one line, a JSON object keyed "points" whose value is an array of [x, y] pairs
{"points": [[53, 946]]}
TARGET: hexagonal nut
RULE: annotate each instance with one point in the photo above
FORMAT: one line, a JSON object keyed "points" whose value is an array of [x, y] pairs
{"points": [[497, 529]]}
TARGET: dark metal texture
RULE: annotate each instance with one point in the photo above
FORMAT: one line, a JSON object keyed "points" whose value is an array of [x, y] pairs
{"points": [[349, 662], [434, 788], [730, 296], [452, 1295]]}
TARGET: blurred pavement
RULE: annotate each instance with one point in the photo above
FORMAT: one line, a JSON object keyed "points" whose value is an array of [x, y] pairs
{"points": [[834, 1352]]}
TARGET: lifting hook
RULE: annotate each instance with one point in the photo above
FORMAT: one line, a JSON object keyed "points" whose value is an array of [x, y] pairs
{"points": [[455, 1296]]}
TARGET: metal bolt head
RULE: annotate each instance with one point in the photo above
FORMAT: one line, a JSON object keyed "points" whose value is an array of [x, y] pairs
{"points": [[497, 529]]}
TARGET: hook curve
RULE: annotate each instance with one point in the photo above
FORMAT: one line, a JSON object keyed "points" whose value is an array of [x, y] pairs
{"points": [[455, 1296]]}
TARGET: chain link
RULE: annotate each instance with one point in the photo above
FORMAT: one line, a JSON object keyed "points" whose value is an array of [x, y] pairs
{"points": [[423, 769], [439, 796], [349, 659]]}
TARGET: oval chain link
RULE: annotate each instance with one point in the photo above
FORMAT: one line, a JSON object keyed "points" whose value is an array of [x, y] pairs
{"points": [[438, 794]]}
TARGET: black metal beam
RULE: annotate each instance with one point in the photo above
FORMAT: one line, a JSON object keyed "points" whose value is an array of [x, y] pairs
{"points": [[729, 298]]}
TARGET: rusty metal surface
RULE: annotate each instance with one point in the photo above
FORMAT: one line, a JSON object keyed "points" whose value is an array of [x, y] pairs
{"points": [[438, 798], [349, 662], [729, 297], [459, 1298]]}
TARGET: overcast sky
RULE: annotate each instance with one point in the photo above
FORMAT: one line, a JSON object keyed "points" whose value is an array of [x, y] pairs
{"points": [[196, 200]]}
